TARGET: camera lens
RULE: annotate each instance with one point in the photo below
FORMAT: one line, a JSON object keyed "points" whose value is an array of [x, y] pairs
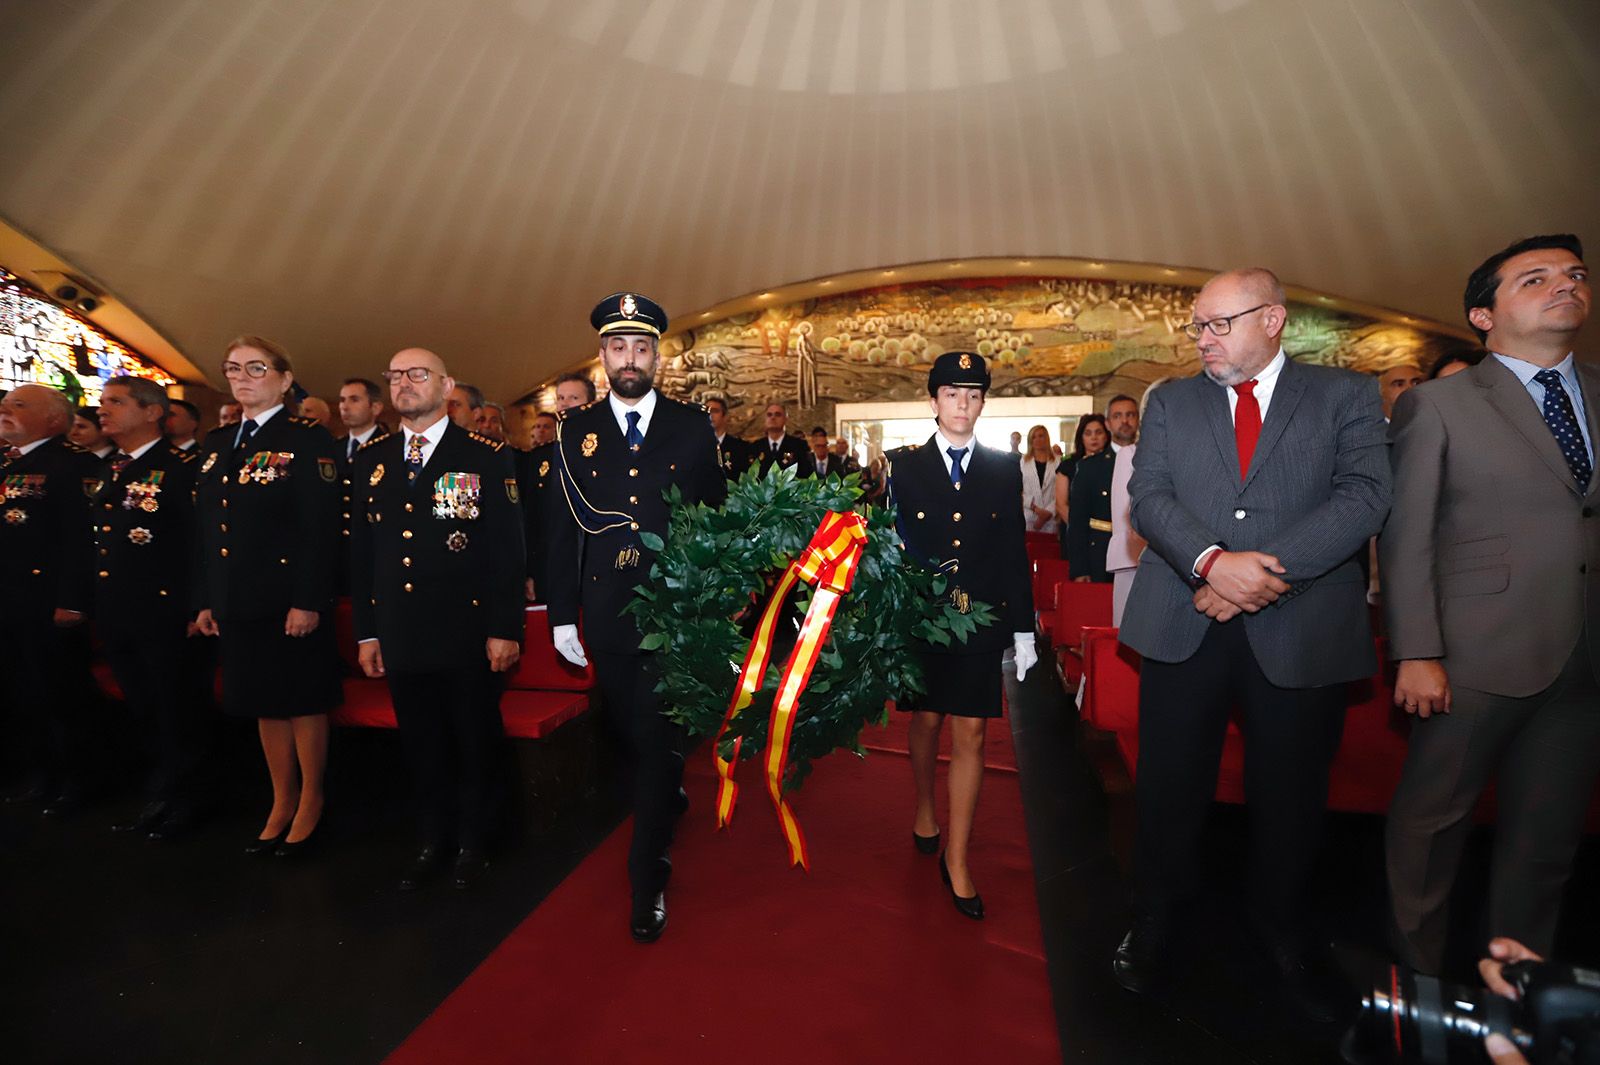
{"points": [[1413, 1017]]}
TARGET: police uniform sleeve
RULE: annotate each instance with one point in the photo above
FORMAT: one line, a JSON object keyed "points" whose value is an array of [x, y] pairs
{"points": [[503, 520], [362, 614], [562, 540], [316, 532], [74, 532], [1017, 575]]}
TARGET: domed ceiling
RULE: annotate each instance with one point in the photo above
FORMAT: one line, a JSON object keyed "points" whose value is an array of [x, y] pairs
{"points": [[355, 176]]}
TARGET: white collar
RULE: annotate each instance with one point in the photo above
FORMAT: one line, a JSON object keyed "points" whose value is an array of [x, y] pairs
{"points": [[944, 444], [431, 435], [142, 448], [645, 408], [262, 418], [43, 440], [1269, 373], [103, 454], [362, 438]]}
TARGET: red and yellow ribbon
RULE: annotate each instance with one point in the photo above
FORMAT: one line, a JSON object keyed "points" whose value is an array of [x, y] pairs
{"points": [[829, 561]]}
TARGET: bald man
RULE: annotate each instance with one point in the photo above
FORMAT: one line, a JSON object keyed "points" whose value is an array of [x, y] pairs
{"points": [[1256, 483], [46, 580], [436, 579], [316, 408]]}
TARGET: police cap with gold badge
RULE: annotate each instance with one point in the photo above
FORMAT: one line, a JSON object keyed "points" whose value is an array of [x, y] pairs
{"points": [[962, 369], [622, 313]]}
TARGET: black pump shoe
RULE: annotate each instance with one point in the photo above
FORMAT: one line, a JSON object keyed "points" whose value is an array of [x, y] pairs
{"points": [[265, 846], [967, 905], [298, 849], [926, 844]]}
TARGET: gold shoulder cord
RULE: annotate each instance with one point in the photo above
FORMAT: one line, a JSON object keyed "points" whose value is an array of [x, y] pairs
{"points": [[569, 484]]}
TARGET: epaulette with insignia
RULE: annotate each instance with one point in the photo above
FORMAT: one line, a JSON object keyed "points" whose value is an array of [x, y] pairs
{"points": [[373, 440], [491, 442], [300, 419], [181, 455], [74, 449]]}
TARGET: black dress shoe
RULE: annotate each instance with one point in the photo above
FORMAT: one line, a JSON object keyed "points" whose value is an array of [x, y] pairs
{"points": [[148, 817], [1309, 983], [425, 865], [471, 865], [265, 846], [1141, 958], [966, 905], [300, 848], [649, 917], [926, 844], [179, 821], [64, 804]]}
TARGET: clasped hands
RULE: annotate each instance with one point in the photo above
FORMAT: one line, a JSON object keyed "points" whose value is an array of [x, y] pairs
{"points": [[1240, 582]]}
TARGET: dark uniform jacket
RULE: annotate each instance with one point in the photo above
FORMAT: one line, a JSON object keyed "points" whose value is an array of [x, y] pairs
{"points": [[608, 495], [536, 477], [792, 451], [268, 517], [45, 546], [735, 455], [437, 565], [143, 519], [974, 534], [1089, 515]]}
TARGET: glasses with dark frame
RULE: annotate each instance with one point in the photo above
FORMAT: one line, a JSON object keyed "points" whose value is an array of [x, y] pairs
{"points": [[1219, 327], [418, 374]]}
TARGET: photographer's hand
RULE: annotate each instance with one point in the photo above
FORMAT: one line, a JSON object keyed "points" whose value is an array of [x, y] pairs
{"points": [[1503, 1051], [1503, 950]]}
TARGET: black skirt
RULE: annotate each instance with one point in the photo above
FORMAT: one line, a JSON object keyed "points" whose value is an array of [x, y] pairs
{"points": [[961, 685], [266, 674]]}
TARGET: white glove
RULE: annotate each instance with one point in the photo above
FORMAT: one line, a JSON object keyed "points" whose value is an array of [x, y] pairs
{"points": [[568, 646], [1025, 653]]}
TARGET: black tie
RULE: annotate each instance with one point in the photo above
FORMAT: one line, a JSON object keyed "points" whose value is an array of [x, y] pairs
{"points": [[246, 431]]}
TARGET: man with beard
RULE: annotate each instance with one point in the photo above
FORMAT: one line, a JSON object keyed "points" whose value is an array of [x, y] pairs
{"points": [[615, 459], [436, 581]]}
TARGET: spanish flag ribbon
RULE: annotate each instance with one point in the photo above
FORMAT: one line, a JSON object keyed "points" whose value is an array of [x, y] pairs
{"points": [[829, 561]]}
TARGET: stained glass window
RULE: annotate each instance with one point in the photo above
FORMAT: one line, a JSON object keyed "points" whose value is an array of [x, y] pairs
{"points": [[43, 343]]}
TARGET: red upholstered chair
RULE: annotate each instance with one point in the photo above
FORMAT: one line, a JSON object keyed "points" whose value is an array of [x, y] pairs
{"points": [[540, 667], [1078, 607]]}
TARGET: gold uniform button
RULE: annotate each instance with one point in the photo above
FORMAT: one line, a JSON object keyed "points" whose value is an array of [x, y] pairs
{"points": [[956, 516], [105, 551], [631, 499], [474, 602], [105, 528], [162, 593], [633, 473], [108, 506], [407, 586], [35, 573], [223, 526], [920, 514], [283, 562], [633, 525], [405, 562], [408, 508], [223, 552], [955, 543], [346, 515], [224, 505], [103, 573], [405, 534]]}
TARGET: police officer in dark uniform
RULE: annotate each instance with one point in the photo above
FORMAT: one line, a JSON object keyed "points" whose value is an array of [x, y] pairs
{"points": [[959, 508], [46, 574], [437, 576], [143, 520], [781, 448], [1089, 517], [616, 457], [734, 454], [267, 508]]}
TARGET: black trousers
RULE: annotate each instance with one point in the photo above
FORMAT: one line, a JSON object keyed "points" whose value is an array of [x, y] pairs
{"points": [[1290, 736], [452, 733], [1544, 751], [168, 695], [651, 748], [54, 711]]}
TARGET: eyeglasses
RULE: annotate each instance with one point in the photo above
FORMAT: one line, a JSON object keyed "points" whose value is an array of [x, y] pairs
{"points": [[257, 369], [1219, 327], [774, 413], [418, 374]]}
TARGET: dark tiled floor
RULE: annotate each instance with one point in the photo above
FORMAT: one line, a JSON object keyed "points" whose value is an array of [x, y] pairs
{"points": [[1078, 803]]}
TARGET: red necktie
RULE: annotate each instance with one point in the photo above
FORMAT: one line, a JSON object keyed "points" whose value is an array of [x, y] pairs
{"points": [[1246, 425]]}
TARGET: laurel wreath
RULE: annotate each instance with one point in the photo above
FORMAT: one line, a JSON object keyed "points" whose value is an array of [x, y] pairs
{"points": [[710, 581]]}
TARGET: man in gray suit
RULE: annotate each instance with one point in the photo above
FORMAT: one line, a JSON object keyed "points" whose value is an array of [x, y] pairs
{"points": [[1256, 483], [1490, 562]]}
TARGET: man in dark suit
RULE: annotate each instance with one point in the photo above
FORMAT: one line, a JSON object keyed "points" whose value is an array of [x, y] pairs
{"points": [[436, 582], [536, 474], [1491, 573], [46, 570], [615, 459], [360, 403], [1256, 483], [144, 530], [780, 448], [823, 462], [734, 454]]}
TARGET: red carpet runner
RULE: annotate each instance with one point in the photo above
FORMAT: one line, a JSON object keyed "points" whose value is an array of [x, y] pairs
{"points": [[864, 959]]}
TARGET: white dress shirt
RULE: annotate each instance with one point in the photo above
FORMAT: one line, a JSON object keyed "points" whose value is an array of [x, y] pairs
{"points": [[430, 438], [260, 419], [646, 407], [943, 443], [23, 449], [139, 451], [353, 442], [1568, 370], [1266, 384]]}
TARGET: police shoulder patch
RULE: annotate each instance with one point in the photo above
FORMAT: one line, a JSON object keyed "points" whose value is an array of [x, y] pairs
{"points": [[328, 468]]}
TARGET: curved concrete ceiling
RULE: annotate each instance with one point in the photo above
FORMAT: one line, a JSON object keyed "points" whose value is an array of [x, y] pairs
{"points": [[355, 176]]}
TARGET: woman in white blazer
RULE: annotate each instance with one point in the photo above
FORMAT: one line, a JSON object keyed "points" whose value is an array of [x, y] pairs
{"points": [[1039, 482]]}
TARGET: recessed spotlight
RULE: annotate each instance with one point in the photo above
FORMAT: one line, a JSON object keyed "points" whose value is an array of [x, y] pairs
{"points": [[705, 314], [888, 273], [824, 284], [1406, 318], [764, 296], [1024, 262], [1097, 266], [1170, 272], [1325, 299]]}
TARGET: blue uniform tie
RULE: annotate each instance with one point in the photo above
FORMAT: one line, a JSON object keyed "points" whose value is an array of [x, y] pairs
{"points": [[1563, 422], [634, 436], [246, 430], [956, 455]]}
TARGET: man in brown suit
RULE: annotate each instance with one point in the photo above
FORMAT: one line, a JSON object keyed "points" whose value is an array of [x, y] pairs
{"points": [[1491, 560]]}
